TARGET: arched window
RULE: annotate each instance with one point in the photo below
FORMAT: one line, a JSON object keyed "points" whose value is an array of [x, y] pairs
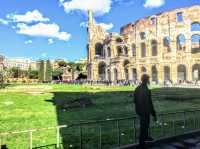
{"points": [[142, 35], [134, 74], [181, 71], [195, 26], [102, 71], [99, 49], [195, 39], [180, 42], [143, 70], [196, 72], [109, 74], [153, 21], [166, 44], [125, 50], [119, 40], [154, 48], [166, 73], [143, 49], [108, 52], [115, 74], [133, 49], [119, 51], [126, 71]]}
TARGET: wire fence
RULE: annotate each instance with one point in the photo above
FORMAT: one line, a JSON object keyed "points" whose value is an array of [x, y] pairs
{"points": [[103, 134]]}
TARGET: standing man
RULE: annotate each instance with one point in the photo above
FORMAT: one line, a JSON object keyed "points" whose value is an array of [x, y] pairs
{"points": [[144, 108]]}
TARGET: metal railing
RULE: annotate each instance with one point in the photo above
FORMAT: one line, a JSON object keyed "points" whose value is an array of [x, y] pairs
{"points": [[111, 133]]}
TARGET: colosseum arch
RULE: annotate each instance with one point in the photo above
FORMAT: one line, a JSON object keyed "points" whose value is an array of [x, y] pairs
{"points": [[99, 49], [108, 52], [154, 74], [154, 48], [102, 71], [180, 42], [119, 40], [181, 72], [195, 42], [119, 51], [134, 74], [133, 49], [195, 26], [167, 73], [126, 71], [143, 49], [196, 72], [166, 44], [115, 71], [143, 70], [109, 74], [126, 50]]}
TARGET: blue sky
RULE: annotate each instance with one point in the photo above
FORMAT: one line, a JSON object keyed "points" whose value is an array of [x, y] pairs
{"points": [[56, 28]]}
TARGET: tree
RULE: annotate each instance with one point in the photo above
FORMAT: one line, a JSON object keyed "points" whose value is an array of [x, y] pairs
{"points": [[48, 72], [62, 63], [16, 72], [33, 74], [57, 74], [41, 71]]}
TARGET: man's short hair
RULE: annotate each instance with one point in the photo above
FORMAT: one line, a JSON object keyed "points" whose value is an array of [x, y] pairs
{"points": [[145, 78]]}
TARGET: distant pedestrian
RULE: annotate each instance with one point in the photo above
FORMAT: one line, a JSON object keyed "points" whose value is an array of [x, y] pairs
{"points": [[144, 108]]}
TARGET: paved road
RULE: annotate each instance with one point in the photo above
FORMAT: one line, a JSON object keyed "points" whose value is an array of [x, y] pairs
{"points": [[190, 143]]}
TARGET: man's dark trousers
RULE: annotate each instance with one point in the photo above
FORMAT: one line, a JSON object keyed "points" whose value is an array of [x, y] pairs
{"points": [[144, 130]]}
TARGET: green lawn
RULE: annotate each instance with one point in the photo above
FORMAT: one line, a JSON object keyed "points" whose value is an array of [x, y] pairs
{"points": [[38, 106]]}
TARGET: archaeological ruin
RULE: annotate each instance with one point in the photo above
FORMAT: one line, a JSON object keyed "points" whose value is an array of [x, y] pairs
{"points": [[166, 46]]}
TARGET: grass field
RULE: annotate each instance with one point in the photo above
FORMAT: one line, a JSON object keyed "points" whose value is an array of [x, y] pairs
{"points": [[38, 106]]}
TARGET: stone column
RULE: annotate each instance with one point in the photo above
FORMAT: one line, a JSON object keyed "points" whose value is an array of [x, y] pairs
{"points": [[189, 72]]}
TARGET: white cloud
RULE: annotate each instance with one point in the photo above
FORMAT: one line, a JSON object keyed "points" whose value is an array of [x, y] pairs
{"points": [[103, 25], [99, 7], [44, 30], [106, 26], [154, 3], [28, 17], [50, 41], [28, 42], [4, 22]]}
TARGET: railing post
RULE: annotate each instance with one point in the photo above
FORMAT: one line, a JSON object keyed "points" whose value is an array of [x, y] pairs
{"points": [[135, 133], [162, 124], [58, 137], [81, 137], [30, 139], [100, 137], [194, 119], [118, 132], [184, 117], [174, 126]]}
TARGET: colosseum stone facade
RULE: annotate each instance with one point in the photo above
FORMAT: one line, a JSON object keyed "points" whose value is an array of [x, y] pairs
{"points": [[166, 46]]}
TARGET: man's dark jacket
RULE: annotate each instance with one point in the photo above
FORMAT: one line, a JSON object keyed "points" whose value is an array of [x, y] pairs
{"points": [[143, 101]]}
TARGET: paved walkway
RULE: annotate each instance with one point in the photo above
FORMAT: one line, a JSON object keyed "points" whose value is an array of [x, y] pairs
{"points": [[191, 143], [186, 141]]}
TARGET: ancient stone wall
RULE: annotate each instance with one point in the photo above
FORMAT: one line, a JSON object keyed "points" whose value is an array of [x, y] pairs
{"points": [[166, 46]]}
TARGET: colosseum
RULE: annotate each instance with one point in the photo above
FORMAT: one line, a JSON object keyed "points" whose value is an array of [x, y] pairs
{"points": [[166, 46]]}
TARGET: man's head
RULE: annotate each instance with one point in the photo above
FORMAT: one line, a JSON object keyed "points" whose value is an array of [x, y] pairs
{"points": [[145, 79]]}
